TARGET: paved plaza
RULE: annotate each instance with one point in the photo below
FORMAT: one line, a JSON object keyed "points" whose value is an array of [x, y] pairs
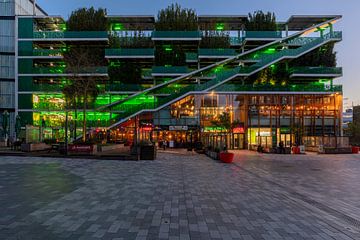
{"points": [[181, 196]]}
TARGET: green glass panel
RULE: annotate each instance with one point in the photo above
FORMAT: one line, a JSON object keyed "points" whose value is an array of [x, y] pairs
{"points": [[25, 27], [25, 101], [25, 48]]}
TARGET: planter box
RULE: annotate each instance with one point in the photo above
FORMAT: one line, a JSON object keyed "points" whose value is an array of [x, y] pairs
{"points": [[33, 147], [343, 150], [106, 148], [82, 149], [147, 152], [226, 157]]}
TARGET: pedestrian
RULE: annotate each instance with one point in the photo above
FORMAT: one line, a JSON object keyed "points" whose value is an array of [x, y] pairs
{"points": [[281, 146], [164, 144]]}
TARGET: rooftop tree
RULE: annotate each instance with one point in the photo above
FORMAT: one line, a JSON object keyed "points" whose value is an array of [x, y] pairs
{"points": [[260, 21], [176, 18]]}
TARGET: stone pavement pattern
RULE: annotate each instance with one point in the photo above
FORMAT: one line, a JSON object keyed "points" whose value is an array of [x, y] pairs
{"points": [[180, 196]]}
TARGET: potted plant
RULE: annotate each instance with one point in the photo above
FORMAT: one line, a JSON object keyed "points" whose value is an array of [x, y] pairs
{"points": [[224, 122]]}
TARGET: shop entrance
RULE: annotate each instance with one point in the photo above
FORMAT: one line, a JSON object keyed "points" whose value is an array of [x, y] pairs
{"points": [[238, 141]]}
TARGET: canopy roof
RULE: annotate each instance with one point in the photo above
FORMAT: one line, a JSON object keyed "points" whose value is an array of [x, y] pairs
{"points": [[301, 22]]}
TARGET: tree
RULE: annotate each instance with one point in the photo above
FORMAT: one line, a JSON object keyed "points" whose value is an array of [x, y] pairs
{"points": [[87, 19], [126, 72], [175, 18], [82, 58], [324, 56], [260, 21], [173, 55], [81, 89]]}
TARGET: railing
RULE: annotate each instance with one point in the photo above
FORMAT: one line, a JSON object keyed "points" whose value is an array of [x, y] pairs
{"points": [[63, 70], [124, 87], [64, 35], [176, 34], [316, 70], [236, 40], [191, 57], [172, 69], [42, 52], [130, 52], [217, 52], [276, 88], [263, 34]]}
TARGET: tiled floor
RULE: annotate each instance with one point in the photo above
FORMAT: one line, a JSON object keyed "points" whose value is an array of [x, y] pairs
{"points": [[181, 196]]}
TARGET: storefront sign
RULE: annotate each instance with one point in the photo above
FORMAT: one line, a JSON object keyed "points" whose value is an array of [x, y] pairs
{"points": [[80, 148], [178, 128], [238, 130]]}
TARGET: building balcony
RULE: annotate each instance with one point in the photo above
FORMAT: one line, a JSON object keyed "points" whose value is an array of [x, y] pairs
{"points": [[71, 36], [191, 57], [130, 53], [176, 36], [116, 87], [331, 72], [316, 87], [216, 53], [258, 35], [172, 71], [61, 71], [42, 53]]}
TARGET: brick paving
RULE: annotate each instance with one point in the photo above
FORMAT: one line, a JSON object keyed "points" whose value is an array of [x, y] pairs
{"points": [[181, 196]]}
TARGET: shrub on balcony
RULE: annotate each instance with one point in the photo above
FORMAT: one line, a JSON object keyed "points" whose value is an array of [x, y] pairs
{"points": [[215, 39]]}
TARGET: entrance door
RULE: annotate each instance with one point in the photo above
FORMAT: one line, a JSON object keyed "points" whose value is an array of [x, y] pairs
{"points": [[238, 141]]}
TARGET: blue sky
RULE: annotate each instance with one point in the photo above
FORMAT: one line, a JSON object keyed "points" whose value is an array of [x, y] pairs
{"points": [[348, 50]]}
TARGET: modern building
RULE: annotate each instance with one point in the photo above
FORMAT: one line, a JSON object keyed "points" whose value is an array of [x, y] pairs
{"points": [[9, 10], [179, 103]]}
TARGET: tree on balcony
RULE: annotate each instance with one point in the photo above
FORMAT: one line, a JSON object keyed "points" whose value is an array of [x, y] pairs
{"points": [[176, 18], [173, 55], [125, 72], [260, 21], [324, 56]]}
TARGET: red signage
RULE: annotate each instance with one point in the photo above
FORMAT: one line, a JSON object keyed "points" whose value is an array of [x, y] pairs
{"points": [[239, 130]]}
